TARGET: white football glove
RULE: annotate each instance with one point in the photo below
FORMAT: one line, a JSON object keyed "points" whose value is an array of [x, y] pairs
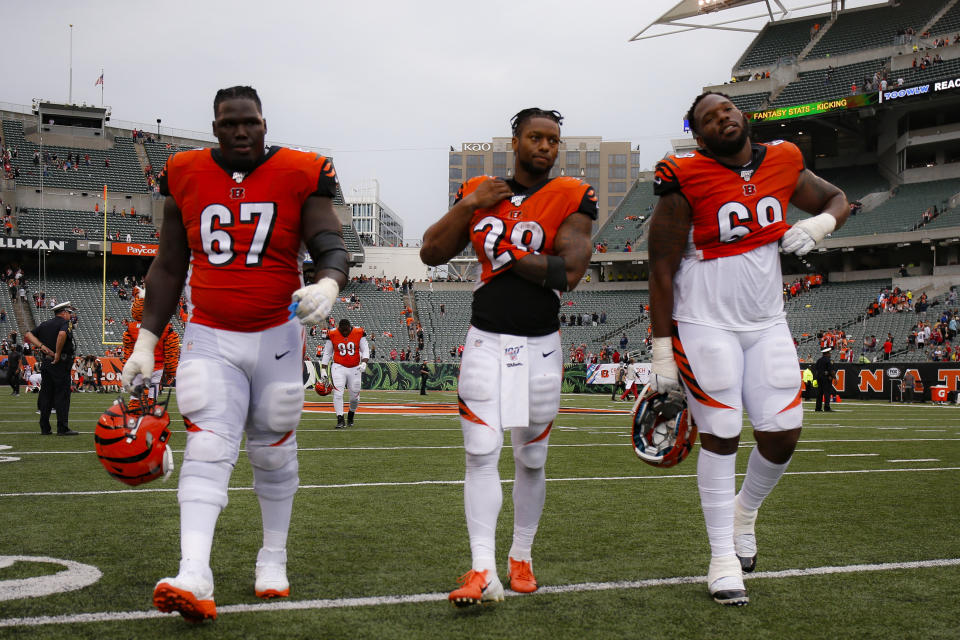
{"points": [[362, 366], [802, 237], [312, 303], [664, 377], [139, 367], [323, 374]]}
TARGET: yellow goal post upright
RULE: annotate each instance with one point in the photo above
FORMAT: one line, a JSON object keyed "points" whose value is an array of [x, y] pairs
{"points": [[103, 300]]}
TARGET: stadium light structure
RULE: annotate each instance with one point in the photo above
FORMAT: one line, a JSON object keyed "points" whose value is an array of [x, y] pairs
{"points": [[686, 10]]}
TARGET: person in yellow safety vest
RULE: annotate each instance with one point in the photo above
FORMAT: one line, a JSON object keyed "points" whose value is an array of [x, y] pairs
{"points": [[809, 383]]}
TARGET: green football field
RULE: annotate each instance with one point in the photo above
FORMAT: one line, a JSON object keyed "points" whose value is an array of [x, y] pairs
{"points": [[861, 539]]}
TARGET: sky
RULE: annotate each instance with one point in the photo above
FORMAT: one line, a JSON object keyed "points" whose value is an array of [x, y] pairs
{"points": [[385, 88]]}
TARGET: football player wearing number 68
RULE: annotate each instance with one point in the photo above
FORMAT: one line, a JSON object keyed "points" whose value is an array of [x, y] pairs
{"points": [[234, 221], [717, 313], [531, 235]]}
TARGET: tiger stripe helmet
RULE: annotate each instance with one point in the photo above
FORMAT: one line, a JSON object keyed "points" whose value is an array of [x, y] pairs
{"points": [[132, 442], [663, 431]]}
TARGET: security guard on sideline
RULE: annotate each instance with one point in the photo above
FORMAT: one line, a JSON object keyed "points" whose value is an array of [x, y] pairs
{"points": [[53, 343], [823, 370]]}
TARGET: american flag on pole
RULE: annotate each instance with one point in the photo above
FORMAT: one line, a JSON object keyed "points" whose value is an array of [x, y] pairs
{"points": [[99, 80]]}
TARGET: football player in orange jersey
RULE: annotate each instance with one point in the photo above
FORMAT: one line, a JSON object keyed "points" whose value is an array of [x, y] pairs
{"points": [[532, 238], [347, 345], [717, 313], [234, 220]]}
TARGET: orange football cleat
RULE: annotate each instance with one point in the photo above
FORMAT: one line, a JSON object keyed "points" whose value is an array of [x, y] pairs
{"points": [[476, 589], [169, 598], [521, 576]]}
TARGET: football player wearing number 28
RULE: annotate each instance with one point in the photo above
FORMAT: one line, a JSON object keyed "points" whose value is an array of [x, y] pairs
{"points": [[531, 235], [717, 313], [234, 221]]}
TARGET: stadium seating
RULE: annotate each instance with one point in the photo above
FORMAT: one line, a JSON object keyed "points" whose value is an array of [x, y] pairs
{"points": [[58, 223], [639, 201], [903, 211], [123, 175], [948, 24], [811, 86], [750, 101], [830, 306], [779, 39], [158, 152], [872, 28], [916, 75]]}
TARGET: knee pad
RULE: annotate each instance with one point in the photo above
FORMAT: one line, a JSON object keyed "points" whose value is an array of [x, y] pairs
{"points": [[480, 439], [278, 407], [275, 466], [207, 464], [193, 386], [531, 454], [781, 367], [713, 366], [544, 398]]}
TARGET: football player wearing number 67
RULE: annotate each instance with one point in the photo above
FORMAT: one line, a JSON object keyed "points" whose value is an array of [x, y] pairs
{"points": [[531, 235], [717, 313], [234, 220]]}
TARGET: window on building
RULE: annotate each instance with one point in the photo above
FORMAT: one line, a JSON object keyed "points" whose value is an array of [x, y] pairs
{"points": [[456, 158], [616, 187], [475, 161], [474, 172], [593, 157], [499, 159], [617, 159], [573, 158], [456, 173], [634, 158], [593, 173], [617, 172], [634, 173]]}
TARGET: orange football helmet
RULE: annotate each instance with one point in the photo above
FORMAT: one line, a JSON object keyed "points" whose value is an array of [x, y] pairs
{"points": [[323, 388], [663, 431], [132, 443]]}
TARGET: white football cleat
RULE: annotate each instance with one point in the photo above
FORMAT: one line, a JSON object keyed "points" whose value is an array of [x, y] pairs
{"points": [[271, 574], [725, 581], [744, 537], [190, 594]]}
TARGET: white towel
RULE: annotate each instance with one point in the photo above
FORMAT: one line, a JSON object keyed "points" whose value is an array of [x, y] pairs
{"points": [[514, 382]]}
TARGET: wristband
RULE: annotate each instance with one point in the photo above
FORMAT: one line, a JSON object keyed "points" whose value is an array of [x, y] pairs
{"points": [[556, 277]]}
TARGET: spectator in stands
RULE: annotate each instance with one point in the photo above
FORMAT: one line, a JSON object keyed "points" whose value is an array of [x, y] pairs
{"points": [[393, 353], [888, 347]]}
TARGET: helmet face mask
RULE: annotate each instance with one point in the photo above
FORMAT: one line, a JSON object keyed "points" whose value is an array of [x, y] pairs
{"points": [[663, 431], [132, 442]]}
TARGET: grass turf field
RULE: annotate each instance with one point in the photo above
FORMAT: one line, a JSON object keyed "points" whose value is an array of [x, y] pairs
{"points": [[859, 540]]}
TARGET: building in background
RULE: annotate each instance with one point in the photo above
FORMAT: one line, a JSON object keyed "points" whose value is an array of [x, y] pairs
{"points": [[376, 224], [610, 167]]}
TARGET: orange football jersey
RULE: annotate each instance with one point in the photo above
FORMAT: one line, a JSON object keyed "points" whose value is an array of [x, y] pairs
{"points": [[526, 223], [735, 209], [346, 349], [244, 232], [517, 227]]}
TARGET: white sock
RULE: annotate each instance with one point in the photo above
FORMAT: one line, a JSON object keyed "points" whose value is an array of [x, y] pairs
{"points": [[482, 499], [338, 403], [717, 484], [529, 493], [276, 521], [197, 522], [762, 476]]}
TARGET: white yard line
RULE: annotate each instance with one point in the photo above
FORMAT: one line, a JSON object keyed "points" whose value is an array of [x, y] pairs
{"points": [[418, 483], [386, 600]]}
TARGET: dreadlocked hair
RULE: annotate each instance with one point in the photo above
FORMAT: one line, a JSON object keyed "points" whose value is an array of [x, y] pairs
{"points": [[230, 93], [533, 112], [693, 107]]}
